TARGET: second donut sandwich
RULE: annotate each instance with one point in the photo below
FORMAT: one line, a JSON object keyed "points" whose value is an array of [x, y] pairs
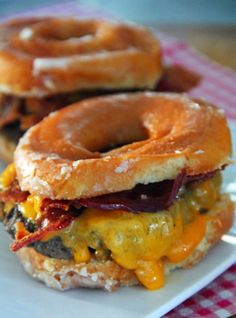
{"points": [[48, 63]]}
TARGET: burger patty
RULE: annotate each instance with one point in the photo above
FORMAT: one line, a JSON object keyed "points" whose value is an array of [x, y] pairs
{"points": [[52, 248], [13, 216]]}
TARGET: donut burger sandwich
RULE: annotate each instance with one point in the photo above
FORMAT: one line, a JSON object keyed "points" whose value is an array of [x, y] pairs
{"points": [[124, 189], [48, 63]]}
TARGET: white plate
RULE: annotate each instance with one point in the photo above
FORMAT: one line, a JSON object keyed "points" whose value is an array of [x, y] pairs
{"points": [[23, 297]]}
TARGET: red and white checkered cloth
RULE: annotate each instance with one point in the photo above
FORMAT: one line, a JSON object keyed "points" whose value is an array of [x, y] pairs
{"points": [[216, 300], [218, 86]]}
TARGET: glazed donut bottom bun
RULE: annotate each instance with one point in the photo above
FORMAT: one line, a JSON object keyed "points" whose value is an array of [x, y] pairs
{"points": [[107, 274]]}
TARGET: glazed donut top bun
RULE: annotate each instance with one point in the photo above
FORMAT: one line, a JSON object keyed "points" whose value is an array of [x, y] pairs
{"points": [[44, 56], [65, 156]]}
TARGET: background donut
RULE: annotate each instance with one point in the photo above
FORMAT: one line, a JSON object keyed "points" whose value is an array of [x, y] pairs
{"points": [[44, 56]]}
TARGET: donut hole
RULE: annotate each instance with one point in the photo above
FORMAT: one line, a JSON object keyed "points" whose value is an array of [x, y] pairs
{"points": [[121, 140], [63, 30], [118, 145], [96, 130]]}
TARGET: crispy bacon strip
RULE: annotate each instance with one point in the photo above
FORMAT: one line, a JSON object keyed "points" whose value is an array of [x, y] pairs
{"points": [[13, 193], [62, 222], [9, 110], [37, 109], [28, 111], [56, 215], [52, 209]]}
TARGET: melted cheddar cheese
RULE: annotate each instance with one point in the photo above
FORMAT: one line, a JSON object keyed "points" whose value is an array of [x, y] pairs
{"points": [[7, 176], [151, 274], [138, 242], [30, 208], [186, 243]]}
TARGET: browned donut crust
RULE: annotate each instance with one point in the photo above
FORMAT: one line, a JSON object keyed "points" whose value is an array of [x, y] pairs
{"points": [[45, 56], [59, 158], [62, 275]]}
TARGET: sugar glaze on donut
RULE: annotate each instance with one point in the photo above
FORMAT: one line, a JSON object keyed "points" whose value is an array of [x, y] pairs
{"points": [[163, 134]]}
